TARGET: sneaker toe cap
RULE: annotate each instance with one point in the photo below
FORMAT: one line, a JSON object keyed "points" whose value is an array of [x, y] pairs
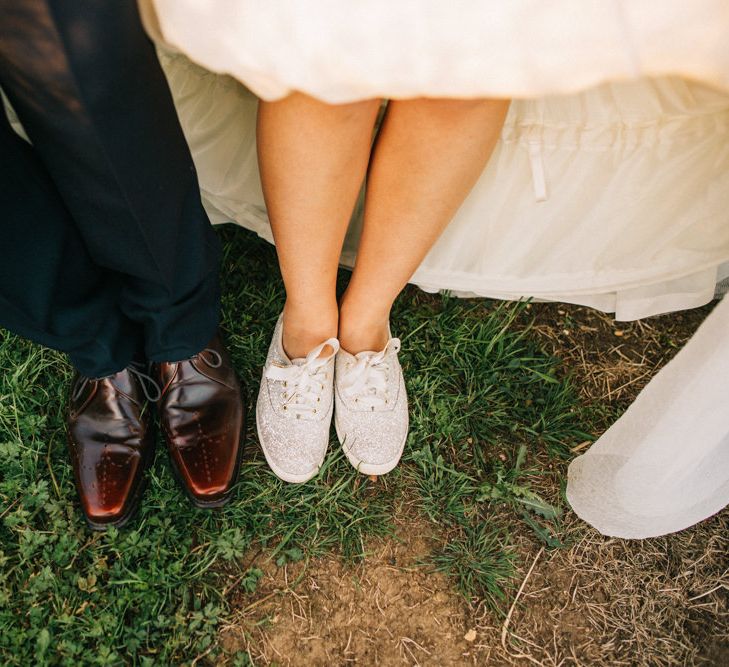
{"points": [[375, 443], [296, 452]]}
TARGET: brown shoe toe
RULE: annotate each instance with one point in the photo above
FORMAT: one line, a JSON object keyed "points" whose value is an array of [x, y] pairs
{"points": [[201, 411], [110, 473], [111, 446]]}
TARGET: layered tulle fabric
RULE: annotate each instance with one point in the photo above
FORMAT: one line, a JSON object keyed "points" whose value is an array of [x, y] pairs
{"points": [[615, 198], [664, 465], [343, 51]]}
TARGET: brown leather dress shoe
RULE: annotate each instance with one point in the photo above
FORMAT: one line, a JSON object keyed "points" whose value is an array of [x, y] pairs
{"points": [[202, 416], [111, 445]]}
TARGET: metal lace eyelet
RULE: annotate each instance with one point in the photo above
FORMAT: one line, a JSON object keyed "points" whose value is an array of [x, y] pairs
{"points": [[298, 416], [284, 407]]}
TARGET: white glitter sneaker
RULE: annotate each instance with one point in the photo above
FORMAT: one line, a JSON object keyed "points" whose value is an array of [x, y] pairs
{"points": [[294, 410], [371, 411]]}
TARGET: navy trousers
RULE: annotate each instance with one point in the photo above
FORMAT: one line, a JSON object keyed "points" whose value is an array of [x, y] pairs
{"points": [[105, 249]]}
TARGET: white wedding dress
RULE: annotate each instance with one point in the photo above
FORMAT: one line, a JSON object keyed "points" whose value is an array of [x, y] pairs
{"points": [[609, 186]]}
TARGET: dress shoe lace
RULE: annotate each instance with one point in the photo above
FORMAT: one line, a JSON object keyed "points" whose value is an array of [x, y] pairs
{"points": [[304, 382], [216, 360], [366, 380], [149, 386]]}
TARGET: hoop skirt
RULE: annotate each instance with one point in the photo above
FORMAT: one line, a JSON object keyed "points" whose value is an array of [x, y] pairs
{"points": [[609, 186]]}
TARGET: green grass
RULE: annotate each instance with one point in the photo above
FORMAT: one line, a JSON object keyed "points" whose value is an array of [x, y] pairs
{"points": [[485, 400]]}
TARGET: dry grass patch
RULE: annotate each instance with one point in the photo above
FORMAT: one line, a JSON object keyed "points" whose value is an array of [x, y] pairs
{"points": [[600, 601], [612, 361], [603, 601]]}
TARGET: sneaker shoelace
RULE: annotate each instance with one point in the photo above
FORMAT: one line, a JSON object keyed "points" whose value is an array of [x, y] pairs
{"points": [[304, 382], [367, 381]]}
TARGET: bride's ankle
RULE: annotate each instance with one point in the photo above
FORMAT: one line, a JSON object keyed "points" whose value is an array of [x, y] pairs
{"points": [[363, 331], [304, 330]]}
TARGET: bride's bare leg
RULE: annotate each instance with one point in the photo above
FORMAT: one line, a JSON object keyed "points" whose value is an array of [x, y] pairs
{"points": [[428, 156], [313, 159]]}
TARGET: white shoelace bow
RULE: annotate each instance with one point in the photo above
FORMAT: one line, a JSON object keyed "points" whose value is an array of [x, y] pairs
{"points": [[367, 380], [303, 382]]}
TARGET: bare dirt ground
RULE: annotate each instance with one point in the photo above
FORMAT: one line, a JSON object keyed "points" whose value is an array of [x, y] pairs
{"points": [[598, 601], [386, 610]]}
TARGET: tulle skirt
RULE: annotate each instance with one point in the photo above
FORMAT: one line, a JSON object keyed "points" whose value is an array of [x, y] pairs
{"points": [[664, 465], [343, 51]]}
